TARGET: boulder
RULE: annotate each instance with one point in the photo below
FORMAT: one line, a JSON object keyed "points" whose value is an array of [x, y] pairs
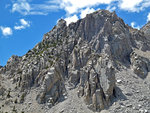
{"points": [[140, 65]]}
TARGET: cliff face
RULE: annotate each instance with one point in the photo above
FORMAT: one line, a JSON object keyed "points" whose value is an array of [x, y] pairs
{"points": [[85, 55], [146, 29]]}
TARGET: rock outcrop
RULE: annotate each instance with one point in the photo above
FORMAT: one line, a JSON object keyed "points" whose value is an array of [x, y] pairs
{"points": [[52, 86], [86, 55], [146, 29], [97, 82], [140, 65]]}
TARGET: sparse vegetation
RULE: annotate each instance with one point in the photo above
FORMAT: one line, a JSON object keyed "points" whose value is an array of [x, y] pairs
{"points": [[22, 97], [8, 94], [14, 110]]}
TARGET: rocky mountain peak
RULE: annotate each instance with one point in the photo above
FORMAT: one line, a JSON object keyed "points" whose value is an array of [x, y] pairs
{"points": [[82, 59], [61, 23], [146, 30]]}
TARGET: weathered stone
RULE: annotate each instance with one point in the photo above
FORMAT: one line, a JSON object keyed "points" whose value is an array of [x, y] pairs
{"points": [[52, 86], [140, 65], [84, 54], [74, 77], [2, 90], [98, 83]]}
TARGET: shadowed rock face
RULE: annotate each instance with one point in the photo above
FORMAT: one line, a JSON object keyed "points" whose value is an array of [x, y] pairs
{"points": [[85, 54], [146, 31]]}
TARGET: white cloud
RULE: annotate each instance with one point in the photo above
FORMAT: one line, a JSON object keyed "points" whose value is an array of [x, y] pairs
{"points": [[148, 17], [42, 9], [111, 8], [83, 13], [6, 31], [130, 5], [133, 5], [22, 7], [18, 27], [70, 19], [27, 8], [73, 6], [133, 24], [70, 6], [86, 11], [24, 24], [145, 4]]}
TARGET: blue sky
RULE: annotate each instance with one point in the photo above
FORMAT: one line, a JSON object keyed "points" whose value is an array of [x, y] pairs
{"points": [[24, 22]]}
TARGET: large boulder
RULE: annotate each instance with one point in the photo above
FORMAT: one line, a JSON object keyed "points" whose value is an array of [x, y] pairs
{"points": [[140, 65]]}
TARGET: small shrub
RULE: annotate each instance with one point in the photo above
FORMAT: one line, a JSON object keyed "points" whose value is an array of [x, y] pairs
{"points": [[8, 94], [14, 110], [29, 51]]}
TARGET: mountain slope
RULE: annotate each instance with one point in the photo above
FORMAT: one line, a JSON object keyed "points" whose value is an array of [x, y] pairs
{"points": [[76, 67]]}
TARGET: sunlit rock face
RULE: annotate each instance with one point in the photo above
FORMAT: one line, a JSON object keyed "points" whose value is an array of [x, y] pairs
{"points": [[86, 54]]}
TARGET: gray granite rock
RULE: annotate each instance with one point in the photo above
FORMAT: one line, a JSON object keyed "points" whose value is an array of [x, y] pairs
{"points": [[86, 55]]}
